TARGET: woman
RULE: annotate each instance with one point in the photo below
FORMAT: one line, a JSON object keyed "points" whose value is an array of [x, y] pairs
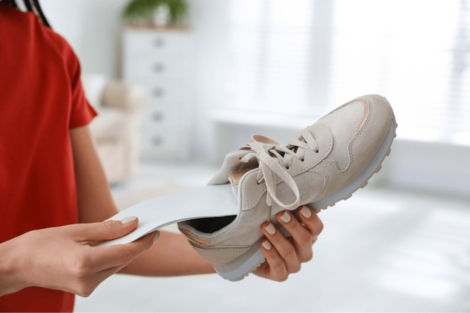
{"points": [[54, 194]]}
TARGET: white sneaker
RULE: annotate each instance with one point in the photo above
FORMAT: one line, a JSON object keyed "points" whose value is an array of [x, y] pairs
{"points": [[324, 164]]}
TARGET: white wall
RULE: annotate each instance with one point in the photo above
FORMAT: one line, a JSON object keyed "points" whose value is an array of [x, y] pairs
{"points": [[432, 166], [209, 21], [92, 28]]}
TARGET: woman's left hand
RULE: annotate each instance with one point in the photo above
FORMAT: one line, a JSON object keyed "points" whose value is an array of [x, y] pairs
{"points": [[285, 255]]}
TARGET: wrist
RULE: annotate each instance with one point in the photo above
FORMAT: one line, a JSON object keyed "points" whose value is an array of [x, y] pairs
{"points": [[10, 280]]}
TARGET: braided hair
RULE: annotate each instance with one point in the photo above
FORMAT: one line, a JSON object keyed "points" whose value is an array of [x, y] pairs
{"points": [[31, 6]]}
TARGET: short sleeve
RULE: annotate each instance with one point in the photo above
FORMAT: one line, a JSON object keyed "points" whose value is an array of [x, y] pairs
{"points": [[82, 113]]}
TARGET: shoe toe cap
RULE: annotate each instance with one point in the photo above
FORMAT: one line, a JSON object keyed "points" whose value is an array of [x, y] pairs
{"points": [[358, 128]]}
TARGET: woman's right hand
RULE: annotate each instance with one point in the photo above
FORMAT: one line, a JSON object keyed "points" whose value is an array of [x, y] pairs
{"points": [[63, 257]]}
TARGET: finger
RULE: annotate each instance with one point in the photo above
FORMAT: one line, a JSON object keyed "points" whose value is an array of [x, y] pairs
{"points": [[283, 246], [302, 239], [107, 230], [311, 220], [274, 267], [103, 258]]}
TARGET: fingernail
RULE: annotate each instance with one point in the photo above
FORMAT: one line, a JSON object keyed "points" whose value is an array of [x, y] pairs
{"points": [[128, 220], [157, 235], [267, 245], [305, 211], [285, 217], [270, 229]]}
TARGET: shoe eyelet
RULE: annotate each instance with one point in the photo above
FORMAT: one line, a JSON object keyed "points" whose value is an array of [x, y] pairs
{"points": [[258, 183], [317, 151], [287, 167]]}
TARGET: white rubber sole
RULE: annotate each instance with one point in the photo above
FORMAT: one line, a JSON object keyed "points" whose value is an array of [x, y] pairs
{"points": [[254, 257]]}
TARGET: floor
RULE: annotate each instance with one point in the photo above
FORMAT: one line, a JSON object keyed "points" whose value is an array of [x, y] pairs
{"points": [[384, 249]]}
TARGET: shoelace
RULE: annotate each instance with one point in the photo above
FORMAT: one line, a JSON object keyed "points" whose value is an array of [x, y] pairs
{"points": [[275, 159]]}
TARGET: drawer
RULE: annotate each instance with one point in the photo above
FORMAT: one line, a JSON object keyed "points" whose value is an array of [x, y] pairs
{"points": [[162, 42], [162, 116], [170, 89], [159, 66], [155, 70], [161, 143]]}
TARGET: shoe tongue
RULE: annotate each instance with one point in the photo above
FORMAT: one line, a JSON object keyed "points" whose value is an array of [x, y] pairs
{"points": [[235, 178], [233, 169], [264, 139], [232, 163]]}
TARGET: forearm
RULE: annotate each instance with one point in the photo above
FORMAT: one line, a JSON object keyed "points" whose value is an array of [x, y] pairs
{"points": [[95, 203], [171, 255]]}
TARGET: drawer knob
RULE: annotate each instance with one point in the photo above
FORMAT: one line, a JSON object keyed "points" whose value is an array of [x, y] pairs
{"points": [[159, 42], [156, 141], [157, 116], [158, 67], [158, 92]]}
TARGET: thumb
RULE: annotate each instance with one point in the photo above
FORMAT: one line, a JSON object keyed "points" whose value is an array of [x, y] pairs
{"points": [[107, 230]]}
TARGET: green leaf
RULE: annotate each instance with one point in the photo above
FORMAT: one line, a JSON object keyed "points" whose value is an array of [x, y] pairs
{"points": [[144, 9]]}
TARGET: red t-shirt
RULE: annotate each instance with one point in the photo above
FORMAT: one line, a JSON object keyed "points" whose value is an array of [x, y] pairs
{"points": [[41, 98]]}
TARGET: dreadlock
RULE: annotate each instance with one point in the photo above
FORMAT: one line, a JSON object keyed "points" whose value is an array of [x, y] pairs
{"points": [[31, 6]]}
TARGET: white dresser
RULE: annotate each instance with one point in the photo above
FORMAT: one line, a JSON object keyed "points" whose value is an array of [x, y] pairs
{"points": [[161, 61]]}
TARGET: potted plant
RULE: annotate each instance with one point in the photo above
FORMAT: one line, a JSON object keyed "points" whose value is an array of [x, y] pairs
{"points": [[157, 12]]}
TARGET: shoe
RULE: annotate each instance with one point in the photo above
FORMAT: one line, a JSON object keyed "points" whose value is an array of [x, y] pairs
{"points": [[324, 164]]}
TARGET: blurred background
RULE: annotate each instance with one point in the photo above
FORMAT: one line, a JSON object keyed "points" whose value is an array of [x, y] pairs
{"points": [[178, 84]]}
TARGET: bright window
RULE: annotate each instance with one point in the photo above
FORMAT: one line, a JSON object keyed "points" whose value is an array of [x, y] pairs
{"points": [[303, 57]]}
